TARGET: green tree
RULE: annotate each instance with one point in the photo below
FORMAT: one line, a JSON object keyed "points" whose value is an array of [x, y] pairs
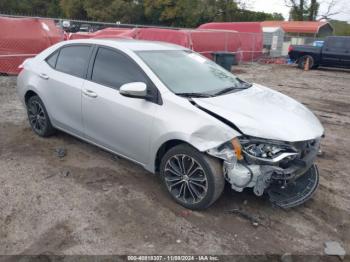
{"points": [[31, 7], [207, 11], [340, 27], [186, 13], [248, 16], [73, 9], [313, 10], [54, 9], [303, 10], [276, 16], [179, 13], [225, 10], [160, 11], [123, 11]]}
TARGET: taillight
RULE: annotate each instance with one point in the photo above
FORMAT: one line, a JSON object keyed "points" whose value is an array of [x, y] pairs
{"points": [[290, 48], [21, 66]]}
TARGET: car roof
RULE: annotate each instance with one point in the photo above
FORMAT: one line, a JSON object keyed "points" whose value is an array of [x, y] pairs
{"points": [[131, 44]]}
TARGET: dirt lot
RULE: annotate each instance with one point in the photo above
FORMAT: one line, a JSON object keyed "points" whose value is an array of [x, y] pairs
{"points": [[90, 202]]}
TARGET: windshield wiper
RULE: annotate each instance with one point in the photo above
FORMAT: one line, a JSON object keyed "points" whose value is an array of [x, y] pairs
{"points": [[246, 85], [227, 90], [193, 95]]}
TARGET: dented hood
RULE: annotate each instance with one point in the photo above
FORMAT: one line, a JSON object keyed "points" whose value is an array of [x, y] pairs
{"points": [[262, 112]]}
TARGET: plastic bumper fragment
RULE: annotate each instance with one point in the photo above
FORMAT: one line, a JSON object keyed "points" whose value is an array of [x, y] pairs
{"points": [[295, 192]]}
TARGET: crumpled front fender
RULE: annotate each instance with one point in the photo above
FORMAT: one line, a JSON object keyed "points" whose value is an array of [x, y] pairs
{"points": [[179, 119]]}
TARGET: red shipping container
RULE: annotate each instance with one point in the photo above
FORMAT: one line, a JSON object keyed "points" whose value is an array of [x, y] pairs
{"points": [[208, 41], [109, 32], [250, 33]]}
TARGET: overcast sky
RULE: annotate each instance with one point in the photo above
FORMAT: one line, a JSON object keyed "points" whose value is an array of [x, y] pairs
{"points": [[278, 6]]}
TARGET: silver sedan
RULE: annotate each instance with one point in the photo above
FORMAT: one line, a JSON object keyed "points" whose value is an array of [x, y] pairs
{"points": [[178, 114]]}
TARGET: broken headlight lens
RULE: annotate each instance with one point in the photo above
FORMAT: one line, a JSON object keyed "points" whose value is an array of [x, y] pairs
{"points": [[263, 150], [267, 150]]}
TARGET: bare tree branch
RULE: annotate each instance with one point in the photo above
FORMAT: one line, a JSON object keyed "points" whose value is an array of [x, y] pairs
{"points": [[332, 8], [290, 3], [244, 4]]}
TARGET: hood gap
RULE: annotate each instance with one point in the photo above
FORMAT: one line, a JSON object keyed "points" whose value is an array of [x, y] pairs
{"points": [[220, 118]]}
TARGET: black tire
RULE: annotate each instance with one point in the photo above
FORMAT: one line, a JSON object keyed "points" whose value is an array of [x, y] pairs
{"points": [[198, 167], [38, 117], [302, 62]]}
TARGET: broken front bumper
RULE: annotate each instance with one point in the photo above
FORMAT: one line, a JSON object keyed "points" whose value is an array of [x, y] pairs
{"points": [[296, 192], [288, 182]]}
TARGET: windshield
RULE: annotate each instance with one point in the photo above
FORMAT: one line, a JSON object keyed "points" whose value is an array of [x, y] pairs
{"points": [[185, 72]]}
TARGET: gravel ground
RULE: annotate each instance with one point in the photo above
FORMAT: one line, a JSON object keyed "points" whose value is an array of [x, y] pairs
{"points": [[91, 202]]}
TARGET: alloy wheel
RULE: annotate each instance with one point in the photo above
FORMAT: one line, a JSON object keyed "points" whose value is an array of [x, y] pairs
{"points": [[37, 116], [185, 179]]}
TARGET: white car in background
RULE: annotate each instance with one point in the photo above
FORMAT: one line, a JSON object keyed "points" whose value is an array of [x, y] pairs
{"points": [[176, 113]]}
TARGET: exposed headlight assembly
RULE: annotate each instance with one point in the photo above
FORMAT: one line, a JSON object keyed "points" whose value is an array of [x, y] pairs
{"points": [[284, 170], [266, 151]]}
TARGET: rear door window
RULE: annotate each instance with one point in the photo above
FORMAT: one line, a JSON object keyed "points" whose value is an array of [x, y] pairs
{"points": [[74, 60], [337, 44], [114, 69], [51, 60]]}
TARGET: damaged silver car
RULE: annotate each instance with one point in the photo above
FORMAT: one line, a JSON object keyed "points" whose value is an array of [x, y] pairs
{"points": [[178, 114]]}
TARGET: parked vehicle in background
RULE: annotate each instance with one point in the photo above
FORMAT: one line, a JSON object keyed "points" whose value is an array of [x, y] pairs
{"points": [[178, 114], [318, 43], [85, 28], [335, 52]]}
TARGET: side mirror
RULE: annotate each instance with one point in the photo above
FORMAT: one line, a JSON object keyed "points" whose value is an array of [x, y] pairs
{"points": [[135, 90]]}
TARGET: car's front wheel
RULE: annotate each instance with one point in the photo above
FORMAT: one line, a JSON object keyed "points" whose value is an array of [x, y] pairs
{"points": [[193, 179], [38, 118]]}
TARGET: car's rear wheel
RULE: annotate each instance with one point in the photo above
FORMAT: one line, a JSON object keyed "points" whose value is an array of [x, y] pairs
{"points": [[303, 61], [38, 118], [193, 179]]}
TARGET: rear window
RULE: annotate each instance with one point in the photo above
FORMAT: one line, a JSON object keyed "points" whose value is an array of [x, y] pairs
{"points": [[73, 60], [51, 60]]}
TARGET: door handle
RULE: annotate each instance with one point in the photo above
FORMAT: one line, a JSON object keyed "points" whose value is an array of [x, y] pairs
{"points": [[44, 76], [89, 93]]}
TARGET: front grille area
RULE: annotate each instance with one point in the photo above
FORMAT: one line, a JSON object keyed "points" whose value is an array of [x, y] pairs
{"points": [[307, 147], [294, 168]]}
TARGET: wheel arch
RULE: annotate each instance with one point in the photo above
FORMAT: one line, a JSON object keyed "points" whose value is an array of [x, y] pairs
{"points": [[201, 138], [29, 93], [32, 91], [165, 147], [313, 56]]}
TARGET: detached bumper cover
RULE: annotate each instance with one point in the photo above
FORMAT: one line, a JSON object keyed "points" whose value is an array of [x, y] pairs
{"points": [[295, 192]]}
